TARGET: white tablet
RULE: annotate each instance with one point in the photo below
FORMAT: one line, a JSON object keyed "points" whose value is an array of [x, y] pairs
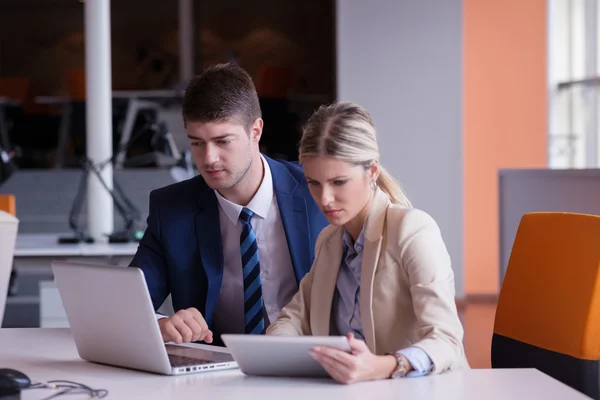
{"points": [[264, 355]]}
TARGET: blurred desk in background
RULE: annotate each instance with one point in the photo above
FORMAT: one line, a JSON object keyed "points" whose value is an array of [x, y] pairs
{"points": [[38, 302]]}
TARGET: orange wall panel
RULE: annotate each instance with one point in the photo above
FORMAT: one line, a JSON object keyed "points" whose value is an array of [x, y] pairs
{"points": [[505, 118]]}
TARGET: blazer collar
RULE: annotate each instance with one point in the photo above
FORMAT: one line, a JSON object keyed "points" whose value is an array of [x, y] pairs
{"points": [[210, 247], [375, 222], [374, 230], [283, 181], [326, 277], [291, 200]]}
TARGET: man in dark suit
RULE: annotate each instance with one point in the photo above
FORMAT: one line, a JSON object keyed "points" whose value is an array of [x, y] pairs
{"points": [[232, 244]]}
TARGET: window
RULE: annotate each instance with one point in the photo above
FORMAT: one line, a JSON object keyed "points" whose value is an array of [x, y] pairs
{"points": [[574, 82]]}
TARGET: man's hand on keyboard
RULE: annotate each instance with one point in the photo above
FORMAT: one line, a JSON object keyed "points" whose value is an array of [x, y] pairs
{"points": [[185, 326]]}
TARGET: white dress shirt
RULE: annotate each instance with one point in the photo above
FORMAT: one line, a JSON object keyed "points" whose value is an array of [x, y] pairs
{"points": [[277, 273]]}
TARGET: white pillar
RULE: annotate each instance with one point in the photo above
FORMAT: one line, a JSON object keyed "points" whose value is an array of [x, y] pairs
{"points": [[98, 115], [186, 40]]}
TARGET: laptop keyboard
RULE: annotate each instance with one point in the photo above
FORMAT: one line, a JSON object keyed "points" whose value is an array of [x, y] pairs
{"points": [[182, 361]]}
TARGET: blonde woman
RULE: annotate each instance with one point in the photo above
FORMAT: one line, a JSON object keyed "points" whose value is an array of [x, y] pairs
{"points": [[381, 274]]}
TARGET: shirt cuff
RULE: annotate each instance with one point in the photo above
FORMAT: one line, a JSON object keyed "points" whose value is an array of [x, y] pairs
{"points": [[418, 359]]}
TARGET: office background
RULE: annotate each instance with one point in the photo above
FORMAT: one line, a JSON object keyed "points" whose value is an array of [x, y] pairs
{"points": [[460, 91]]}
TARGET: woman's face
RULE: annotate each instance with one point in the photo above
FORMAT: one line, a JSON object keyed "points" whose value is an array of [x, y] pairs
{"points": [[340, 189]]}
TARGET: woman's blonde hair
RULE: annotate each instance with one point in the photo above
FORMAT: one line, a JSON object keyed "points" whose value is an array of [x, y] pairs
{"points": [[345, 130]]}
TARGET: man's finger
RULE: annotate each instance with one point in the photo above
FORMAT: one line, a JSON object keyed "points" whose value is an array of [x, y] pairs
{"points": [[206, 333], [197, 331], [170, 333], [199, 320], [182, 328], [209, 337], [194, 312]]}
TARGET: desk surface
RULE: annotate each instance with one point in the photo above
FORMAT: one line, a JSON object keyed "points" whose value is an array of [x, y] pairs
{"points": [[7, 101], [46, 245], [46, 354]]}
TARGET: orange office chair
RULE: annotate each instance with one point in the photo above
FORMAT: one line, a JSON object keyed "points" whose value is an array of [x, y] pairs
{"points": [[8, 204], [274, 81], [15, 87], [19, 88], [75, 81], [548, 314]]}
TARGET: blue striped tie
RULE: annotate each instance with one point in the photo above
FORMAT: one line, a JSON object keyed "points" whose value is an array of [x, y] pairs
{"points": [[253, 301]]}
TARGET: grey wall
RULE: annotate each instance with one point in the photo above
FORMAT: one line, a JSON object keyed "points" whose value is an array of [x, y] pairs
{"points": [[402, 60], [542, 190]]}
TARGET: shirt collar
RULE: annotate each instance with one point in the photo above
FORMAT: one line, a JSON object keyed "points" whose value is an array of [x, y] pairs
{"points": [[350, 244], [260, 203]]}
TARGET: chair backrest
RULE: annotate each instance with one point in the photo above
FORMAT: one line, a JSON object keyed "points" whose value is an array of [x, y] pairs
{"points": [[8, 204], [548, 314], [19, 88], [274, 81], [8, 237], [75, 80], [15, 87]]}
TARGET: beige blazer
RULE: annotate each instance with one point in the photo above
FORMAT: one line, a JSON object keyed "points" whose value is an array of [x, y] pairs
{"points": [[407, 287]]}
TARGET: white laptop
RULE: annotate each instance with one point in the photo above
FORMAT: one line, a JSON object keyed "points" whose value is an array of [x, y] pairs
{"points": [[287, 356], [113, 322]]}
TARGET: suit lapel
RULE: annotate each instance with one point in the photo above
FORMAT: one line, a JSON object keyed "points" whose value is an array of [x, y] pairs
{"points": [[210, 247], [294, 217], [373, 236]]}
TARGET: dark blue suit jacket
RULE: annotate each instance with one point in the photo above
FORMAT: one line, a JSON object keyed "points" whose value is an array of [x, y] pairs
{"points": [[181, 252]]}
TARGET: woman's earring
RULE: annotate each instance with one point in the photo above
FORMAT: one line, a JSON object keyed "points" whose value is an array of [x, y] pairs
{"points": [[374, 185]]}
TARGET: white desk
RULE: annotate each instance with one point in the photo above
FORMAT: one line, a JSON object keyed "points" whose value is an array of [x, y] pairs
{"points": [[46, 354], [46, 245]]}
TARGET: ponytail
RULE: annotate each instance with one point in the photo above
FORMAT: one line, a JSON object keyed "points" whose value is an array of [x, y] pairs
{"points": [[392, 188]]}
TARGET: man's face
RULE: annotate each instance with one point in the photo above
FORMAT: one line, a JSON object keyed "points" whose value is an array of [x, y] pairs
{"points": [[223, 150]]}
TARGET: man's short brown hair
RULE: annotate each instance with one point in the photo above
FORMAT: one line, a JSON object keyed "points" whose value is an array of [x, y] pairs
{"points": [[221, 93]]}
